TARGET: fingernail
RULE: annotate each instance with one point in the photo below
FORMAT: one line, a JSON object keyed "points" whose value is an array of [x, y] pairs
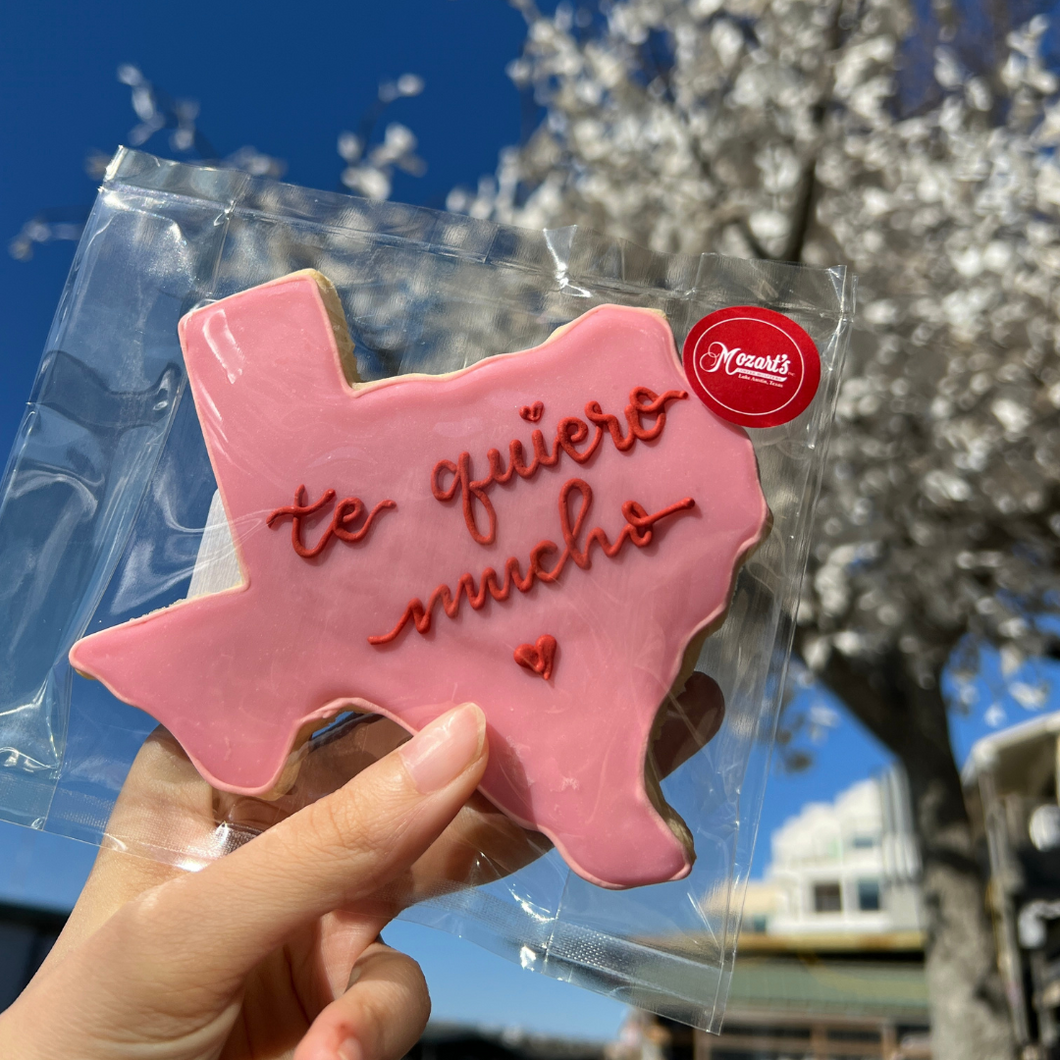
{"points": [[442, 751], [349, 1050]]}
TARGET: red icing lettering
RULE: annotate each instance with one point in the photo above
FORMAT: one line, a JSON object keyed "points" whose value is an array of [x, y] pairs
{"points": [[637, 530], [347, 512], [571, 433]]}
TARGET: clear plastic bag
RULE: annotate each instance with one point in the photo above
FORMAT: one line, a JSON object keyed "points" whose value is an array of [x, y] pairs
{"points": [[109, 511]]}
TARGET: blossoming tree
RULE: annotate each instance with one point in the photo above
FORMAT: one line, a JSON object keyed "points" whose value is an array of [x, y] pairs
{"points": [[772, 128]]}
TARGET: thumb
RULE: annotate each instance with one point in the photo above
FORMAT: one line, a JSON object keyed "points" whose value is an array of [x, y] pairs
{"points": [[335, 852]]}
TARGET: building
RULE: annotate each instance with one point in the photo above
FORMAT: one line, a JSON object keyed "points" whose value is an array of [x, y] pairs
{"points": [[830, 960], [845, 867], [1012, 786], [824, 1004]]}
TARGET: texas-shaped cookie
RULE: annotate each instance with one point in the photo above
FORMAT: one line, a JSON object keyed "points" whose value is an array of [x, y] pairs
{"points": [[542, 533]]}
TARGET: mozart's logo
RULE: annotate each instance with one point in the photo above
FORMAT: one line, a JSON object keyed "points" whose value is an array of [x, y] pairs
{"points": [[719, 358], [752, 366]]}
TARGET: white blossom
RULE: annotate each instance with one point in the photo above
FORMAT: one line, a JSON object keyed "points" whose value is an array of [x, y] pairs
{"points": [[771, 130]]}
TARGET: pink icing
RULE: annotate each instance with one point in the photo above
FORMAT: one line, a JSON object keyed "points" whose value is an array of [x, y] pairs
{"points": [[236, 675]]}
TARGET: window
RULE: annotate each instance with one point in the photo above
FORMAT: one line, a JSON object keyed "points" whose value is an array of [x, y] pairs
{"points": [[864, 842], [827, 898], [869, 896]]}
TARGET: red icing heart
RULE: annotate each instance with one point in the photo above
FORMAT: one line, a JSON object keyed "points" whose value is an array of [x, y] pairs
{"points": [[538, 658], [532, 413]]}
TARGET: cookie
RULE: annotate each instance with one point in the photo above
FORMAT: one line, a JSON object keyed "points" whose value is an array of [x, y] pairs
{"points": [[548, 534]]}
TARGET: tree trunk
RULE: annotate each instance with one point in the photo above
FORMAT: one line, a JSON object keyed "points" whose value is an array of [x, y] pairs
{"points": [[969, 1014]]}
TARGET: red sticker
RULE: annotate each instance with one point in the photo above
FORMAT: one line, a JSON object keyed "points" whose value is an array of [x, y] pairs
{"points": [[752, 366]]}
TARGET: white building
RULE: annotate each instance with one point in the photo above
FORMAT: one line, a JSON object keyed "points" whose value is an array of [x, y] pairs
{"points": [[844, 867]]}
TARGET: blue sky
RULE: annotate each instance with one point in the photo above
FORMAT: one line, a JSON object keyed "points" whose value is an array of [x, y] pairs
{"points": [[288, 85]]}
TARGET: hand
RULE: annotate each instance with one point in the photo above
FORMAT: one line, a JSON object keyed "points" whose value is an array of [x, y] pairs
{"points": [[482, 844], [296, 991], [270, 951]]}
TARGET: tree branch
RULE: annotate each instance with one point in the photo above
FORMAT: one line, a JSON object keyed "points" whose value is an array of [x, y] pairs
{"points": [[802, 215]]}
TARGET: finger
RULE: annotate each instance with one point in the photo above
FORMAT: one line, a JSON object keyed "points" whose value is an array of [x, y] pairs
{"points": [[166, 817], [162, 815], [330, 855], [380, 1016], [336, 755], [483, 845], [479, 846], [337, 941], [690, 722]]}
